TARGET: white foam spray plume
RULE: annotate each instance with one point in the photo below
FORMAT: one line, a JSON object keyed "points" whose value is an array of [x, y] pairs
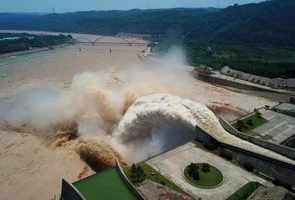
{"points": [[157, 123], [97, 101]]}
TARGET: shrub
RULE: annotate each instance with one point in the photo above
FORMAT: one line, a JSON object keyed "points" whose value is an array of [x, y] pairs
{"points": [[191, 168], [193, 171], [162, 183], [249, 167], [205, 167], [250, 122], [212, 145], [137, 174], [258, 114], [195, 175], [240, 125], [245, 191], [227, 155]]}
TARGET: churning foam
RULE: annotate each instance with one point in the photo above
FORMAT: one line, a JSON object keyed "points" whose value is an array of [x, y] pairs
{"points": [[148, 127], [158, 122]]}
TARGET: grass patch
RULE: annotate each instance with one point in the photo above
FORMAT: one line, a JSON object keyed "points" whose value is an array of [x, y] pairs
{"points": [[249, 123], [153, 175], [245, 191], [105, 185], [209, 178]]}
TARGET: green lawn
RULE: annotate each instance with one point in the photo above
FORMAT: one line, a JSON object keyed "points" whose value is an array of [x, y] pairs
{"points": [[155, 176], [249, 123], [245, 191], [105, 185], [207, 180]]}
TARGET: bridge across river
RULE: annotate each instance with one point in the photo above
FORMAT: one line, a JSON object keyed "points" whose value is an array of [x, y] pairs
{"points": [[101, 40], [113, 43]]}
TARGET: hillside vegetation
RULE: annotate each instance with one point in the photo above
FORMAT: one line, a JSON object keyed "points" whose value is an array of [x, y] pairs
{"points": [[12, 42]]}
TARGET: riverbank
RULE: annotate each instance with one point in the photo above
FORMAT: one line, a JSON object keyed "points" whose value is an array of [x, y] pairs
{"points": [[34, 50]]}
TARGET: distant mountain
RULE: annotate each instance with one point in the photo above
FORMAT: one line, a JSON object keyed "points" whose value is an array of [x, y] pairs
{"points": [[267, 23], [154, 21]]}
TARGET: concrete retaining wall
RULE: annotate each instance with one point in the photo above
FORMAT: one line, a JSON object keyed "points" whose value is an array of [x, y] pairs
{"points": [[129, 184], [220, 81], [283, 150], [271, 82], [69, 192], [280, 172]]}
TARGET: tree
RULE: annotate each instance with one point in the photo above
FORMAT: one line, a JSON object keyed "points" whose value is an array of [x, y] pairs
{"points": [[191, 168], [205, 167], [250, 122], [137, 174], [240, 125], [133, 173], [248, 167], [141, 174], [195, 175], [258, 114], [193, 171]]}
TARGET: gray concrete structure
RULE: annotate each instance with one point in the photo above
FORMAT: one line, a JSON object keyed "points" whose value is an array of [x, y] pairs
{"points": [[172, 164], [156, 108], [285, 108], [270, 82], [69, 192], [271, 193], [278, 128]]}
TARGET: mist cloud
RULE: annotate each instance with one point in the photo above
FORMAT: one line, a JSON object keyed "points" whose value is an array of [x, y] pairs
{"points": [[97, 101]]}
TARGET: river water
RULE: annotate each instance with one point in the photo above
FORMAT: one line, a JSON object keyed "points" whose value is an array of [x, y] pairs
{"points": [[61, 64]]}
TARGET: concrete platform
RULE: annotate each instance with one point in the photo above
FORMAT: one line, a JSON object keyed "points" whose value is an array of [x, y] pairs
{"points": [[278, 128], [172, 164]]}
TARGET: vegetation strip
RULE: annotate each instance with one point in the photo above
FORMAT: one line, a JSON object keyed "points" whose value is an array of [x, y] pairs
{"points": [[245, 191], [249, 123], [138, 173]]}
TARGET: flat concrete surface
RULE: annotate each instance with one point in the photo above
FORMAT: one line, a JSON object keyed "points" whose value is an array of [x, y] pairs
{"points": [[154, 191], [270, 193], [286, 107], [278, 128], [172, 164]]}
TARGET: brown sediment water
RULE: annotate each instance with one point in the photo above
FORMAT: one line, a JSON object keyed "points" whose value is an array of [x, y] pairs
{"points": [[77, 99]]}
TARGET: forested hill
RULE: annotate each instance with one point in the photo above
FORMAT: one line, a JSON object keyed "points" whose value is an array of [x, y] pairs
{"points": [[155, 21], [271, 22]]}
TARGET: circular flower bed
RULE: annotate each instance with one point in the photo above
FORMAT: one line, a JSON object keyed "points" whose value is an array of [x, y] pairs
{"points": [[203, 175]]}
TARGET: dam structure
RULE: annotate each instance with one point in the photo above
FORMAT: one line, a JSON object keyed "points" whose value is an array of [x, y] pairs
{"points": [[155, 110]]}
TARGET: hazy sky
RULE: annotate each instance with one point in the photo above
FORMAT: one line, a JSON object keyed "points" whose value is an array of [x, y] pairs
{"points": [[75, 5]]}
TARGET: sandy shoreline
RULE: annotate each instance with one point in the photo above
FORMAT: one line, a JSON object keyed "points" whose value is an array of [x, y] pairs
{"points": [[34, 50]]}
